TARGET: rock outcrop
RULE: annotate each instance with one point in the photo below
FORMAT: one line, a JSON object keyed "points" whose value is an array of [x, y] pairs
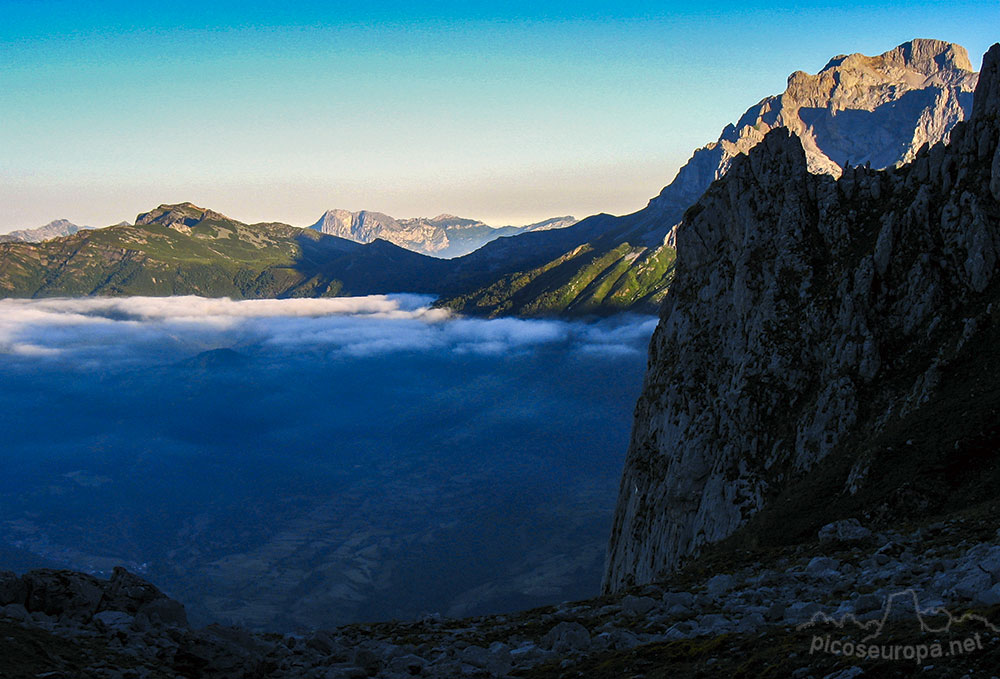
{"points": [[809, 316]]}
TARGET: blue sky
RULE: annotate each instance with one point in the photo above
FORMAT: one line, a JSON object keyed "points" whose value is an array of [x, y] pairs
{"points": [[506, 112]]}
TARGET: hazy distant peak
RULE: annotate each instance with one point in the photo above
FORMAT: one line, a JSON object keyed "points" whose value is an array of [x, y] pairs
{"points": [[445, 235], [54, 229]]}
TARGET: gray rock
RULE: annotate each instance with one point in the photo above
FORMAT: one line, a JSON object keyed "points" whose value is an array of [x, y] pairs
{"points": [[15, 612], [775, 612], [719, 585], [987, 598], [408, 665], [12, 589], [671, 599], [713, 623], [345, 673], [847, 673], [822, 567], [163, 612], [637, 605], [848, 530], [974, 583], [128, 592], [801, 611], [114, 621], [868, 602], [367, 659], [990, 562], [63, 593], [567, 637], [477, 656]]}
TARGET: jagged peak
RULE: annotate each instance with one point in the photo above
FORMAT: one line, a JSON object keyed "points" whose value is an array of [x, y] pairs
{"points": [[924, 55], [987, 98]]}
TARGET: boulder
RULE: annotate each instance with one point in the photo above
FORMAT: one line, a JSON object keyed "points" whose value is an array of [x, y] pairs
{"points": [[15, 612], [567, 637], [848, 530], [973, 584], [114, 621], [63, 593], [719, 585], [12, 589], [128, 593], [408, 665], [163, 612], [637, 605]]}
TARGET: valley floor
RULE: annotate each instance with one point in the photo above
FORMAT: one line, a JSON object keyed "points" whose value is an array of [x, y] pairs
{"points": [[931, 591]]}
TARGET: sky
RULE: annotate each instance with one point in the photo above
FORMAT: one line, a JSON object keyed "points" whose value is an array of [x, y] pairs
{"points": [[505, 112]]}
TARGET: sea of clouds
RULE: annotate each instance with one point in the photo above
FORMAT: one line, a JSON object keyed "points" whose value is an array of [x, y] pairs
{"points": [[88, 332]]}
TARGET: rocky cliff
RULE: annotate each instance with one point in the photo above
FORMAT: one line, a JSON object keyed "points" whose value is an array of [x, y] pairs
{"points": [[857, 110], [824, 339]]}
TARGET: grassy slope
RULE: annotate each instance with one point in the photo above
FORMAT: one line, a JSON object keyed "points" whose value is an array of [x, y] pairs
{"points": [[593, 278], [213, 258]]}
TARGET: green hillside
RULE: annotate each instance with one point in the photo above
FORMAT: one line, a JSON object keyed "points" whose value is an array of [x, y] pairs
{"points": [[186, 250], [593, 278]]}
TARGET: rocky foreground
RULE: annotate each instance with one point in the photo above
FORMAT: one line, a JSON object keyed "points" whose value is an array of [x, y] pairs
{"points": [[758, 617]]}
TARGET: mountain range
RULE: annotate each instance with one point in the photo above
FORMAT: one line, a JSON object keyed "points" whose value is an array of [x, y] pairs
{"points": [[857, 109], [185, 249], [444, 236]]}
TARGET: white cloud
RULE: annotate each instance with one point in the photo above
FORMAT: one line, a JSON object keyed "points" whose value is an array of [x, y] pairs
{"points": [[83, 331]]}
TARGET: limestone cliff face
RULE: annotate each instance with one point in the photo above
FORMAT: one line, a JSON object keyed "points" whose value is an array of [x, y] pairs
{"points": [[805, 310], [857, 110]]}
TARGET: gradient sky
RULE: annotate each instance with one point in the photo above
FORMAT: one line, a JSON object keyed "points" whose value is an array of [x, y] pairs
{"points": [[508, 112]]}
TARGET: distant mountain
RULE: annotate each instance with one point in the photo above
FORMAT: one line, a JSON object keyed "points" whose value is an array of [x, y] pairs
{"points": [[856, 110], [56, 229], [443, 236], [184, 249]]}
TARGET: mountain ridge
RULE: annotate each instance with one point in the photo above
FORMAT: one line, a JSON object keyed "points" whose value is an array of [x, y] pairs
{"points": [[445, 236], [864, 109]]}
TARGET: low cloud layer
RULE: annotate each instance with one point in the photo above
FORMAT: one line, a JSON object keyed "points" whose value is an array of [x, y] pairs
{"points": [[102, 331]]}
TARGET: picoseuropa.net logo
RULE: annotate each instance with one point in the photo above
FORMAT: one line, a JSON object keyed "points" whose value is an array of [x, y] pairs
{"points": [[900, 632]]}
